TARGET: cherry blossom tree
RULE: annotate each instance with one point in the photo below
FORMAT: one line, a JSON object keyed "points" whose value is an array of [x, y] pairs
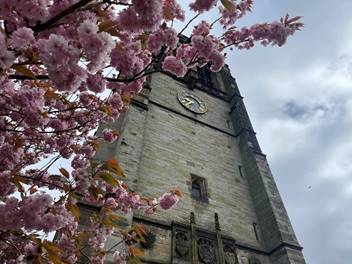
{"points": [[65, 67]]}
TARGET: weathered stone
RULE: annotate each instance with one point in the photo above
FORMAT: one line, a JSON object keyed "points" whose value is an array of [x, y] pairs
{"points": [[162, 145]]}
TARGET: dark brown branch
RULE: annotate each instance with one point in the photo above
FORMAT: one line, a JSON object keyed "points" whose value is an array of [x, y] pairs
{"points": [[32, 180], [46, 77], [53, 20], [189, 22], [212, 24], [23, 77]]}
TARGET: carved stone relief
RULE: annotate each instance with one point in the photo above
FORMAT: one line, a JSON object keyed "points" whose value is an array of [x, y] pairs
{"points": [[244, 260], [182, 244], [206, 251], [230, 254]]}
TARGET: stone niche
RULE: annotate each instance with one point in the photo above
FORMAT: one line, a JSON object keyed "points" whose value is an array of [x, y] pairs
{"points": [[207, 248]]}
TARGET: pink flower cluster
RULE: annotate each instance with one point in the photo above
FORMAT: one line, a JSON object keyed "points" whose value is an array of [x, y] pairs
{"points": [[203, 29], [22, 12], [172, 10], [162, 37], [209, 50], [22, 38], [118, 258], [6, 186], [61, 60], [202, 5], [167, 200], [275, 33], [173, 65], [35, 212], [141, 15], [109, 135], [231, 15], [128, 58], [7, 57], [97, 46]]}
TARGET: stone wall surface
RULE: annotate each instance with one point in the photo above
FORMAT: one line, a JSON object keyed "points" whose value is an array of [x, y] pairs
{"points": [[174, 148], [162, 145], [165, 90]]}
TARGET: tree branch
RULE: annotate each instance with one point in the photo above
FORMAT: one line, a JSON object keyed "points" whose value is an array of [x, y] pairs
{"points": [[189, 22], [46, 77], [53, 20]]}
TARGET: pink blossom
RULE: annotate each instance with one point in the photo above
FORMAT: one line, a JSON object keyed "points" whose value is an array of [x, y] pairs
{"points": [[173, 10], [22, 37], [162, 37], [142, 15], [109, 135], [217, 61], [173, 65], [97, 46], [115, 101], [6, 186], [96, 83], [111, 203], [202, 5], [128, 58], [167, 200], [79, 163], [118, 258], [202, 28], [6, 58]]}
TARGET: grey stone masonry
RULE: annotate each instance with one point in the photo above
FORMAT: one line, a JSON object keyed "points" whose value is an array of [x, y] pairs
{"points": [[163, 145], [276, 229]]}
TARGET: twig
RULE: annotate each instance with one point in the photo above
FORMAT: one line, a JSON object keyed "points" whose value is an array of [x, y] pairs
{"points": [[189, 22]]}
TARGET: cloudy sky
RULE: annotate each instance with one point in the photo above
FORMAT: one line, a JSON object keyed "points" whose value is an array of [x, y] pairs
{"points": [[299, 98]]}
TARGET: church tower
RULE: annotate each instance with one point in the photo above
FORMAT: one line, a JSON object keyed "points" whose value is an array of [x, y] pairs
{"points": [[194, 133]]}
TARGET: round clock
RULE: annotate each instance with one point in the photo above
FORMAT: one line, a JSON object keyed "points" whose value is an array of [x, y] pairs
{"points": [[192, 102]]}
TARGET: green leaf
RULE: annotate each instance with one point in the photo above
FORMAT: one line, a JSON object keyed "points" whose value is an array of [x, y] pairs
{"points": [[135, 260], [73, 208], [114, 220], [229, 5], [94, 191], [107, 177]]}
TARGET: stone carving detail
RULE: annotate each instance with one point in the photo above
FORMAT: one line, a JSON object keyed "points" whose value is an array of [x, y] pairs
{"points": [[206, 251], [182, 244], [230, 254], [244, 260]]}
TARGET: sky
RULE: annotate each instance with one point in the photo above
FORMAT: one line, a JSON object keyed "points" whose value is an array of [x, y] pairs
{"points": [[299, 98]]}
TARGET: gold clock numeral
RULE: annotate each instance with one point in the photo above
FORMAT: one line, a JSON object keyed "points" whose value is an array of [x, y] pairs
{"points": [[202, 108], [192, 103], [186, 101]]}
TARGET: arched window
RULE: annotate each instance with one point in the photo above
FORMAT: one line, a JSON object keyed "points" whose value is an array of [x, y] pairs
{"points": [[196, 189]]}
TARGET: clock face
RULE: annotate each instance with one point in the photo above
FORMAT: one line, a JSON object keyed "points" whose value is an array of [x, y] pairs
{"points": [[192, 102]]}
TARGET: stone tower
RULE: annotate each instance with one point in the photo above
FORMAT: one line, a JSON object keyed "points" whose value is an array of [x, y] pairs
{"points": [[194, 133]]}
